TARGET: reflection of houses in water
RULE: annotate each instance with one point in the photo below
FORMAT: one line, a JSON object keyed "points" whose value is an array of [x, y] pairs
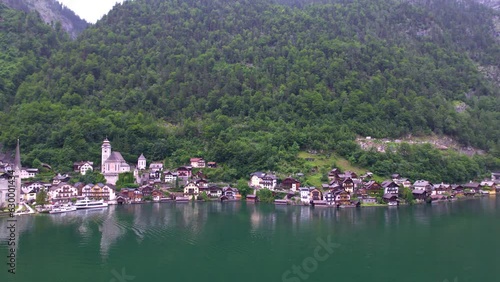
{"points": [[391, 216], [261, 219], [24, 224], [111, 230]]}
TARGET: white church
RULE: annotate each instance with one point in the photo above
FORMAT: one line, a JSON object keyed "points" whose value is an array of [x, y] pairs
{"points": [[112, 163]]}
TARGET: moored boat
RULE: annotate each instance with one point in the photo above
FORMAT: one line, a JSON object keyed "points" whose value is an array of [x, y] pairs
{"points": [[90, 204], [62, 209]]}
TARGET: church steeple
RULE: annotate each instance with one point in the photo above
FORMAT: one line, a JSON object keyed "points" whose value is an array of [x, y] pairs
{"points": [[105, 153], [141, 162]]}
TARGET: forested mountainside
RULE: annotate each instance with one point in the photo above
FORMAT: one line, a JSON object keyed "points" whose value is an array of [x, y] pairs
{"points": [[51, 11], [26, 43], [249, 83]]}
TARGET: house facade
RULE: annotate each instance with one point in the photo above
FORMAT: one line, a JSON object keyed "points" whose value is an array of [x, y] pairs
{"points": [[191, 190], [28, 173], [256, 178], [291, 184], [170, 177], [390, 187], [83, 166], [197, 162], [62, 193], [305, 195]]}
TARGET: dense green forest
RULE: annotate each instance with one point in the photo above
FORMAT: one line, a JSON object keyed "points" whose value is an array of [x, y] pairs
{"points": [[251, 83]]}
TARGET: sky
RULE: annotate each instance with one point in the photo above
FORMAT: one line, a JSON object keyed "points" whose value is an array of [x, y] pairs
{"points": [[90, 10]]}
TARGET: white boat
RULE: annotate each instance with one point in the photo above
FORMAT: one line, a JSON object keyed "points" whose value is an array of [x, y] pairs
{"points": [[90, 204], [62, 209]]}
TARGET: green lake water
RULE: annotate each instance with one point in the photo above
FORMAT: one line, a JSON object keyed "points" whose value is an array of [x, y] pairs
{"points": [[452, 242]]}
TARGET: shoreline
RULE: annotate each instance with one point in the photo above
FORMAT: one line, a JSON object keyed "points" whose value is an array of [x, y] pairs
{"points": [[6, 214]]}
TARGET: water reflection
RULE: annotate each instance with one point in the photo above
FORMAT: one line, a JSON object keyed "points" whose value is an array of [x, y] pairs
{"points": [[188, 223]]}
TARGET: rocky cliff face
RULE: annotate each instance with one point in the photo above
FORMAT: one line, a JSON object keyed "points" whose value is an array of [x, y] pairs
{"points": [[51, 11]]}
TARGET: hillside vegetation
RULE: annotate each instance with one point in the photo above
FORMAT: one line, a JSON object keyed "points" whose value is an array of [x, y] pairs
{"points": [[251, 83]]}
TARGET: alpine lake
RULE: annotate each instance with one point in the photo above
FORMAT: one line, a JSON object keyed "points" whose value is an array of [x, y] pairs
{"points": [[238, 241]]}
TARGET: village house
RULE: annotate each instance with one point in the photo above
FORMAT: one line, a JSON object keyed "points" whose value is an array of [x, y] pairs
{"points": [[147, 191], [419, 194], [405, 182], [423, 185], [29, 195], [391, 199], [263, 180], [373, 187], [37, 185], [458, 190], [269, 181], [62, 193], [83, 166], [305, 194], [471, 188], [99, 191], [329, 197], [156, 166], [495, 177], [230, 193], [367, 176], [191, 190], [290, 184], [157, 195], [135, 195], [333, 174], [201, 183], [27, 173], [197, 162], [390, 187], [169, 176], [395, 177], [129, 195], [347, 174], [154, 176], [315, 195], [30, 189], [441, 189], [348, 185], [490, 185], [212, 164], [60, 178], [214, 191], [360, 192], [113, 163], [256, 178], [342, 198], [184, 172]]}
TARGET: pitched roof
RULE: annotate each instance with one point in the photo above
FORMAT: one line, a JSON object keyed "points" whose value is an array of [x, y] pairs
{"points": [[142, 157], [259, 174], [116, 156]]}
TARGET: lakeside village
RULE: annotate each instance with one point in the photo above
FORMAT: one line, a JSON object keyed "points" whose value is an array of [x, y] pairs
{"points": [[154, 183]]}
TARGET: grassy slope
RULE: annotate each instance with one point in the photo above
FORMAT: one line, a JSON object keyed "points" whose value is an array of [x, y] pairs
{"points": [[327, 161]]}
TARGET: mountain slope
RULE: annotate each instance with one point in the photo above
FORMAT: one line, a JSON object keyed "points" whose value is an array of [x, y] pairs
{"points": [[51, 11], [247, 83], [26, 43]]}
